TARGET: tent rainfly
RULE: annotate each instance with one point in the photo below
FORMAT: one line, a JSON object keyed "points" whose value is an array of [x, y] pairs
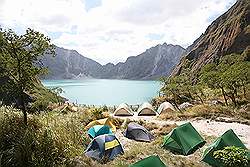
{"points": [[123, 110], [105, 121], [138, 132], [185, 105], [149, 162], [146, 109], [104, 146], [229, 138], [98, 130], [184, 139], [165, 108]]}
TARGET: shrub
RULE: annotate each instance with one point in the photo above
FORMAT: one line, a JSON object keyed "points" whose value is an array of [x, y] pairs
{"points": [[232, 156], [50, 139]]}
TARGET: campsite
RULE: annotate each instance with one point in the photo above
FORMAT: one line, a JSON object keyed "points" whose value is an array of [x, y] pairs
{"points": [[146, 139], [182, 140], [97, 137], [114, 83]]}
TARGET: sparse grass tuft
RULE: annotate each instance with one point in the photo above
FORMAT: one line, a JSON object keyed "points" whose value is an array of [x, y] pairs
{"points": [[204, 111]]}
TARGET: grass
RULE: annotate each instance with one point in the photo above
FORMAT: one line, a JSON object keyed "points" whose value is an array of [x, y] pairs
{"points": [[135, 151], [50, 139], [58, 138], [207, 111], [138, 150]]}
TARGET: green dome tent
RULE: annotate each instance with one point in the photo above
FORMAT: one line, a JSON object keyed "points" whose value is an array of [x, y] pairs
{"points": [[97, 130], [150, 161], [229, 138], [184, 139]]}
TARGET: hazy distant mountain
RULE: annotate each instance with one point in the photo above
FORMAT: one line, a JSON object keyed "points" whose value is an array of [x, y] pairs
{"points": [[153, 63], [69, 64], [229, 33]]}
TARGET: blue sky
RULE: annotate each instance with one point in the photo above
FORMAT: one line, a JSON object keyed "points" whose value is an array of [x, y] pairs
{"points": [[112, 30], [89, 4]]}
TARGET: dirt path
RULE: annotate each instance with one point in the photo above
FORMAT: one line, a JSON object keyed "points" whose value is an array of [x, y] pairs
{"points": [[206, 127]]}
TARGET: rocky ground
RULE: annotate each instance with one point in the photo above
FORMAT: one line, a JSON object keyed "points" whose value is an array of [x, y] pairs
{"points": [[207, 127]]}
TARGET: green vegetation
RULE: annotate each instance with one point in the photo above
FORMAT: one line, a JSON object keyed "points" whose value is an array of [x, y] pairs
{"points": [[230, 75], [232, 156], [50, 139], [209, 112], [43, 97], [59, 139], [20, 63], [54, 134]]}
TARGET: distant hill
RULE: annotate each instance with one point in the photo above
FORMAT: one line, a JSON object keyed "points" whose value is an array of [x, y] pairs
{"points": [[69, 64], [229, 33], [153, 63]]}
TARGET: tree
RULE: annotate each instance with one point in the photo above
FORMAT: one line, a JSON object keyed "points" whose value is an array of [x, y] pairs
{"points": [[170, 89], [20, 60], [231, 75], [211, 76], [180, 88]]}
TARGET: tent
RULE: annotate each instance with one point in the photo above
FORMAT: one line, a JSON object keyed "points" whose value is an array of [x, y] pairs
{"points": [[185, 105], [149, 162], [165, 108], [184, 139], [137, 132], [105, 121], [146, 109], [229, 138], [98, 130], [104, 146], [123, 110]]}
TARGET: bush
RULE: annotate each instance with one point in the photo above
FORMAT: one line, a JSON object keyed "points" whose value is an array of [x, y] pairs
{"points": [[50, 139], [232, 156], [43, 97]]}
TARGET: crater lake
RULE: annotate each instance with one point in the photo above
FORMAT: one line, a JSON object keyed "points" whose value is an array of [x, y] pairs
{"points": [[106, 91]]}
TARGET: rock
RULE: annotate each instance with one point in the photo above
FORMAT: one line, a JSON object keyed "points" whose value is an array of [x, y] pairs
{"points": [[154, 63], [229, 33], [69, 64]]}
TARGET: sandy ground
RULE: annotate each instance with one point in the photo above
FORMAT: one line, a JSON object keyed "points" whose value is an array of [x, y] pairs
{"points": [[204, 126]]}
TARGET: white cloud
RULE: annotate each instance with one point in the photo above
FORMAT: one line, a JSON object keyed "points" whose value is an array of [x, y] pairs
{"points": [[116, 29]]}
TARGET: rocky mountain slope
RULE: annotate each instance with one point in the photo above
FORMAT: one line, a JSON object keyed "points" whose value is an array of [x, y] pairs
{"points": [[153, 63], [230, 33], [68, 64]]}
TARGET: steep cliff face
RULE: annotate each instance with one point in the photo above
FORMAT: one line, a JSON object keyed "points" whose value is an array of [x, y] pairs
{"points": [[230, 33], [153, 63], [68, 64]]}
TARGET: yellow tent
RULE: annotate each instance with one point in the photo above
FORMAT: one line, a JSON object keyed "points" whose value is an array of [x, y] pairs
{"points": [[105, 121]]}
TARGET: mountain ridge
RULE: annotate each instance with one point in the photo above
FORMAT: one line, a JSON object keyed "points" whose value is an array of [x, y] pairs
{"points": [[229, 33], [69, 64]]}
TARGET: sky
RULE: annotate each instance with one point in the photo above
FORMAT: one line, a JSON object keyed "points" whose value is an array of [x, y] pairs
{"points": [[112, 30]]}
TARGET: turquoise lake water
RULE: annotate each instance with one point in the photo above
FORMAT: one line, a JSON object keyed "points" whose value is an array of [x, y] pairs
{"points": [[105, 91]]}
